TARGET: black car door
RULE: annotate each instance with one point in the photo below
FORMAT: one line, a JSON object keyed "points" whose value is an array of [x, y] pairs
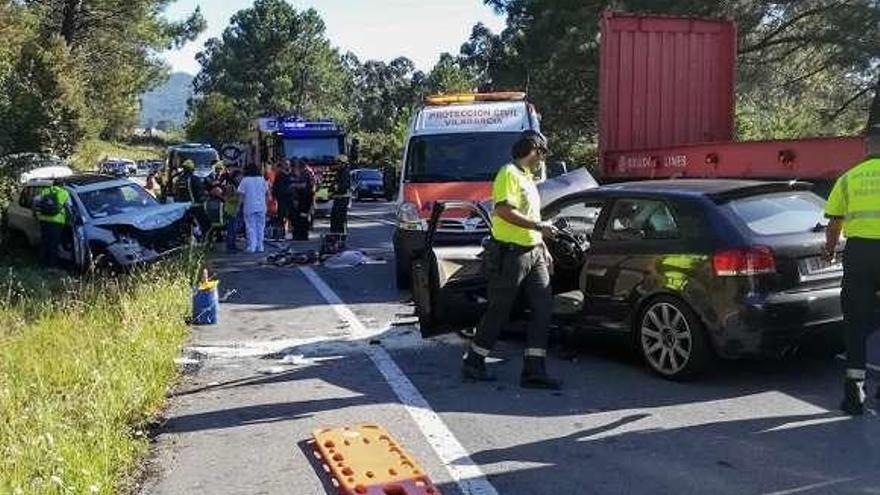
{"points": [[627, 255]]}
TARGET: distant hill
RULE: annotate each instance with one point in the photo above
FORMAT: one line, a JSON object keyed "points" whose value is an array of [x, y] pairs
{"points": [[168, 101]]}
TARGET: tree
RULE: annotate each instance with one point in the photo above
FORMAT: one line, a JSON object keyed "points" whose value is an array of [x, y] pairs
{"points": [[549, 49], [47, 111], [15, 30], [274, 59], [216, 119], [114, 45], [449, 75], [383, 92]]}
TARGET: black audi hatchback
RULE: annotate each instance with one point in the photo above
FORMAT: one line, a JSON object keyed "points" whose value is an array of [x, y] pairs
{"points": [[691, 269]]}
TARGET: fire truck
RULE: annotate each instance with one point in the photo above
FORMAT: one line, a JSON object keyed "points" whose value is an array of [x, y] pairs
{"points": [[319, 143], [667, 105]]}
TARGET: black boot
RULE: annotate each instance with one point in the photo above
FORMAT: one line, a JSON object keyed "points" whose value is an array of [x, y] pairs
{"points": [[534, 375], [853, 402], [473, 368]]}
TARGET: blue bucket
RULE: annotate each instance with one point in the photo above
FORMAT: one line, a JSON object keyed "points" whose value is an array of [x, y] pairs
{"points": [[206, 307]]}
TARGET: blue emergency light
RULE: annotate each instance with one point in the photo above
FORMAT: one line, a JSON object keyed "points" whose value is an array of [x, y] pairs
{"points": [[295, 127]]}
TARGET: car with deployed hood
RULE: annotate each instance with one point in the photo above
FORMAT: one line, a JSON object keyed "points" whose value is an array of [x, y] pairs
{"points": [[687, 269], [114, 222]]}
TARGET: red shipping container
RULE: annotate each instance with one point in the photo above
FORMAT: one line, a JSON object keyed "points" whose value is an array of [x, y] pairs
{"points": [[665, 81], [667, 105]]}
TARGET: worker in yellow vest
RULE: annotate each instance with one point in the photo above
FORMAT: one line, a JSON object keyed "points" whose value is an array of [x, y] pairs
{"points": [[515, 258], [52, 214], [854, 210]]}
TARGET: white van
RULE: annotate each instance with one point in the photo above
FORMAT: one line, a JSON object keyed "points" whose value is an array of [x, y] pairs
{"points": [[455, 146]]}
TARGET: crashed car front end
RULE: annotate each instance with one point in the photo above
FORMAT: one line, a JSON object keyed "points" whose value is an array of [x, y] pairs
{"points": [[142, 238]]}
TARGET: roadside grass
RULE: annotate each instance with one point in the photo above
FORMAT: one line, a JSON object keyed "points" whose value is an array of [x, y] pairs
{"points": [[84, 366], [92, 151]]}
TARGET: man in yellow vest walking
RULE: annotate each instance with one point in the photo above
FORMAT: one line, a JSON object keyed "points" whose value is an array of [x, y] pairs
{"points": [[517, 258], [854, 209]]}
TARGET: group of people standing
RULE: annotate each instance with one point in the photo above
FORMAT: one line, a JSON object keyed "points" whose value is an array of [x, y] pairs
{"points": [[294, 188], [246, 200]]}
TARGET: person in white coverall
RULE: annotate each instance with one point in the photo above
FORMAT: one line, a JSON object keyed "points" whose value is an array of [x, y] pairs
{"points": [[254, 191]]}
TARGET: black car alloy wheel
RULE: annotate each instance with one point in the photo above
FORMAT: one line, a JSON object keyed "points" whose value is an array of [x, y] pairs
{"points": [[671, 339]]}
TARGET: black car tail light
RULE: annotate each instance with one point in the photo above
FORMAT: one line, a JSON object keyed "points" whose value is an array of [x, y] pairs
{"points": [[753, 260]]}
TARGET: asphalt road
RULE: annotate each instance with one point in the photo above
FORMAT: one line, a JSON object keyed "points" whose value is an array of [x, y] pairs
{"points": [[288, 358]]}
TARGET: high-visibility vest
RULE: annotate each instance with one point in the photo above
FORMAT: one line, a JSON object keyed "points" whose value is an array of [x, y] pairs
{"points": [[856, 199]]}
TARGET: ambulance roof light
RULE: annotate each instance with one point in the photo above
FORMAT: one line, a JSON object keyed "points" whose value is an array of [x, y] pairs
{"points": [[454, 98]]}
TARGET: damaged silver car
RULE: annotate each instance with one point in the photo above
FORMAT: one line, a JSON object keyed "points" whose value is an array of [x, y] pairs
{"points": [[115, 223]]}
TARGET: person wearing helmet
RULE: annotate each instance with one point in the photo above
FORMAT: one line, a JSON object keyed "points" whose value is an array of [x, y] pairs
{"points": [[190, 188]]}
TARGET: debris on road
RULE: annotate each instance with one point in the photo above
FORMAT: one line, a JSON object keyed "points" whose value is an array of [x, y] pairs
{"points": [[351, 259]]}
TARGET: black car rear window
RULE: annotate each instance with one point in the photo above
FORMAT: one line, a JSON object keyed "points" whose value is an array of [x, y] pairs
{"points": [[781, 213]]}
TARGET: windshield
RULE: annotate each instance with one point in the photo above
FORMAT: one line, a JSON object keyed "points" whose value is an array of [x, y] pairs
{"points": [[203, 158], [368, 175], [312, 148], [116, 200], [784, 213], [458, 157]]}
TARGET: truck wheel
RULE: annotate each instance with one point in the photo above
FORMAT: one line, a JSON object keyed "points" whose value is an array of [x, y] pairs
{"points": [[671, 339], [403, 271]]}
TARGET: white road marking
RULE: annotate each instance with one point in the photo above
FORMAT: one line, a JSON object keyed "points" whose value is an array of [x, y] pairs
{"points": [[807, 488], [458, 463]]}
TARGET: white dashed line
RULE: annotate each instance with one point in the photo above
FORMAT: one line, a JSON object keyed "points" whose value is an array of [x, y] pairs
{"points": [[458, 463]]}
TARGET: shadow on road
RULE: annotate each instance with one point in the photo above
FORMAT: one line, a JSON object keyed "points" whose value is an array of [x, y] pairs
{"points": [[746, 428]]}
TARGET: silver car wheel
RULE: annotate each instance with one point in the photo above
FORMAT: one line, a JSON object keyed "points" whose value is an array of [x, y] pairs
{"points": [[666, 338]]}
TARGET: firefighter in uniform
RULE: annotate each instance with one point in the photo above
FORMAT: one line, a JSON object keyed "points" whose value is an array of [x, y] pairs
{"points": [[854, 209], [188, 187], [516, 258]]}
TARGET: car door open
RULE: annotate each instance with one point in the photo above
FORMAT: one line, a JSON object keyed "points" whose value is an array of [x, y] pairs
{"points": [[448, 282]]}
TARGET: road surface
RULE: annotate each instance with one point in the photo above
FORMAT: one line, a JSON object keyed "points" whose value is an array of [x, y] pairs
{"points": [[299, 349]]}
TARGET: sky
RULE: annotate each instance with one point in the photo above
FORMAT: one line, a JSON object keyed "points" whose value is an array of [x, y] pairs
{"points": [[372, 29]]}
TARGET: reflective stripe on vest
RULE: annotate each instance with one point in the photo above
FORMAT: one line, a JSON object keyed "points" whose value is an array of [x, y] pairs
{"points": [[862, 215]]}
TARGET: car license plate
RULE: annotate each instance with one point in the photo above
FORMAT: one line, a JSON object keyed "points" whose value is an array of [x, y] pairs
{"points": [[820, 266]]}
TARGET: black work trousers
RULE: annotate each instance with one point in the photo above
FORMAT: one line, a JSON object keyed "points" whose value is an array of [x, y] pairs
{"points": [[200, 214], [50, 241], [861, 281], [339, 215], [510, 270], [300, 220]]}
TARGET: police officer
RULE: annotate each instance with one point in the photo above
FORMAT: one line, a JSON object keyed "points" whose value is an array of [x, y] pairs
{"points": [[52, 216], [854, 208], [516, 258]]}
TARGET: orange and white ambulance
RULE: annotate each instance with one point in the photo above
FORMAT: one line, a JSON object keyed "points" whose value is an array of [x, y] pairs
{"points": [[455, 145]]}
